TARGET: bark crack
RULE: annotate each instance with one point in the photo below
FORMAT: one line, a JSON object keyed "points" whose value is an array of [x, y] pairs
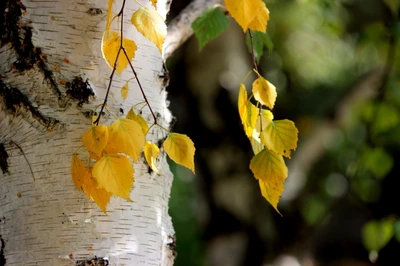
{"points": [[14, 32], [3, 162], [16, 102], [2, 256], [79, 90]]}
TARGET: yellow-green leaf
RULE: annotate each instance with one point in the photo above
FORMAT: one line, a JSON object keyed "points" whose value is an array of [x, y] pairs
{"points": [[139, 119], [264, 92], [243, 11], [263, 119], [95, 139], [78, 171], [125, 136], [260, 21], [99, 195], [280, 136], [151, 24], [180, 149], [270, 169], [251, 115], [151, 151], [124, 91], [114, 173], [110, 46]]}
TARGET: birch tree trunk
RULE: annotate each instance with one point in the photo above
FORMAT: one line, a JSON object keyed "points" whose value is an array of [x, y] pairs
{"points": [[52, 78]]}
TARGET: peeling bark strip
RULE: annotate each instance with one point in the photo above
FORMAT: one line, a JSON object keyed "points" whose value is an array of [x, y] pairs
{"points": [[3, 161], [79, 90], [16, 102], [92, 262], [2, 257], [14, 31]]}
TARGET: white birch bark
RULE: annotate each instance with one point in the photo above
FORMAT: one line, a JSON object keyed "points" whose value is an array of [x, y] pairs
{"points": [[44, 219]]}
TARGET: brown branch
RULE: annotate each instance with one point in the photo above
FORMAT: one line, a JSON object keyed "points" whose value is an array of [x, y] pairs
{"points": [[180, 28]]}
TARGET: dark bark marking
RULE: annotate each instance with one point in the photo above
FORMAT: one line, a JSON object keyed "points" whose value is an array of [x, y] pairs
{"points": [[93, 262], [164, 76], [79, 90], [3, 159], [2, 256], [15, 101], [19, 35], [93, 11]]}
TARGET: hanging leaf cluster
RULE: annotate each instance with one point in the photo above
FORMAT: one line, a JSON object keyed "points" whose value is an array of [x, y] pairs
{"points": [[113, 149], [270, 139]]}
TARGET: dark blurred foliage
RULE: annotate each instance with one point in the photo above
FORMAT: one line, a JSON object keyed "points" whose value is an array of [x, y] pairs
{"points": [[336, 68]]}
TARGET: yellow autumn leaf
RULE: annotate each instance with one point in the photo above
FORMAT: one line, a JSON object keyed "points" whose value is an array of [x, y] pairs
{"points": [[269, 168], [94, 156], [260, 21], [95, 139], [251, 115], [124, 91], [78, 171], [139, 119], [264, 92], [109, 14], [280, 136], [154, 2], [110, 46], [125, 136], [243, 11], [151, 151], [180, 149], [114, 173], [151, 24], [99, 195], [242, 101]]}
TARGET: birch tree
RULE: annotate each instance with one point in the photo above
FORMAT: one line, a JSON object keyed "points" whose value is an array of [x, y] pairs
{"points": [[52, 78]]}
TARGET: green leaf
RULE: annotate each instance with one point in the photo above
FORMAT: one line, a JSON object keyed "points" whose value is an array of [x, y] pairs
{"points": [[209, 25], [376, 234], [378, 161]]}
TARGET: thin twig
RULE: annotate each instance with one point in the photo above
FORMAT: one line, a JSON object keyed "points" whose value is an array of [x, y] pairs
{"points": [[140, 86], [252, 51]]}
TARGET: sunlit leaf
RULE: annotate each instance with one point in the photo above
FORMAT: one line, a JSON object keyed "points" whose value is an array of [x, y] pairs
{"points": [[99, 195], [270, 169], [139, 119], [114, 173], [125, 136], [180, 149], [251, 118], [242, 102], [376, 234], [209, 25], [78, 171], [151, 24], [151, 151], [280, 136], [110, 46], [124, 91], [264, 92], [95, 139], [260, 21], [242, 11]]}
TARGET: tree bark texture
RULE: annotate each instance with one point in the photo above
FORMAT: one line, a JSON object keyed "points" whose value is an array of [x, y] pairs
{"points": [[52, 76]]}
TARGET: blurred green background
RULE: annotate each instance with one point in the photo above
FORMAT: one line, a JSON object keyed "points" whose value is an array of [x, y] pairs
{"points": [[335, 65]]}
